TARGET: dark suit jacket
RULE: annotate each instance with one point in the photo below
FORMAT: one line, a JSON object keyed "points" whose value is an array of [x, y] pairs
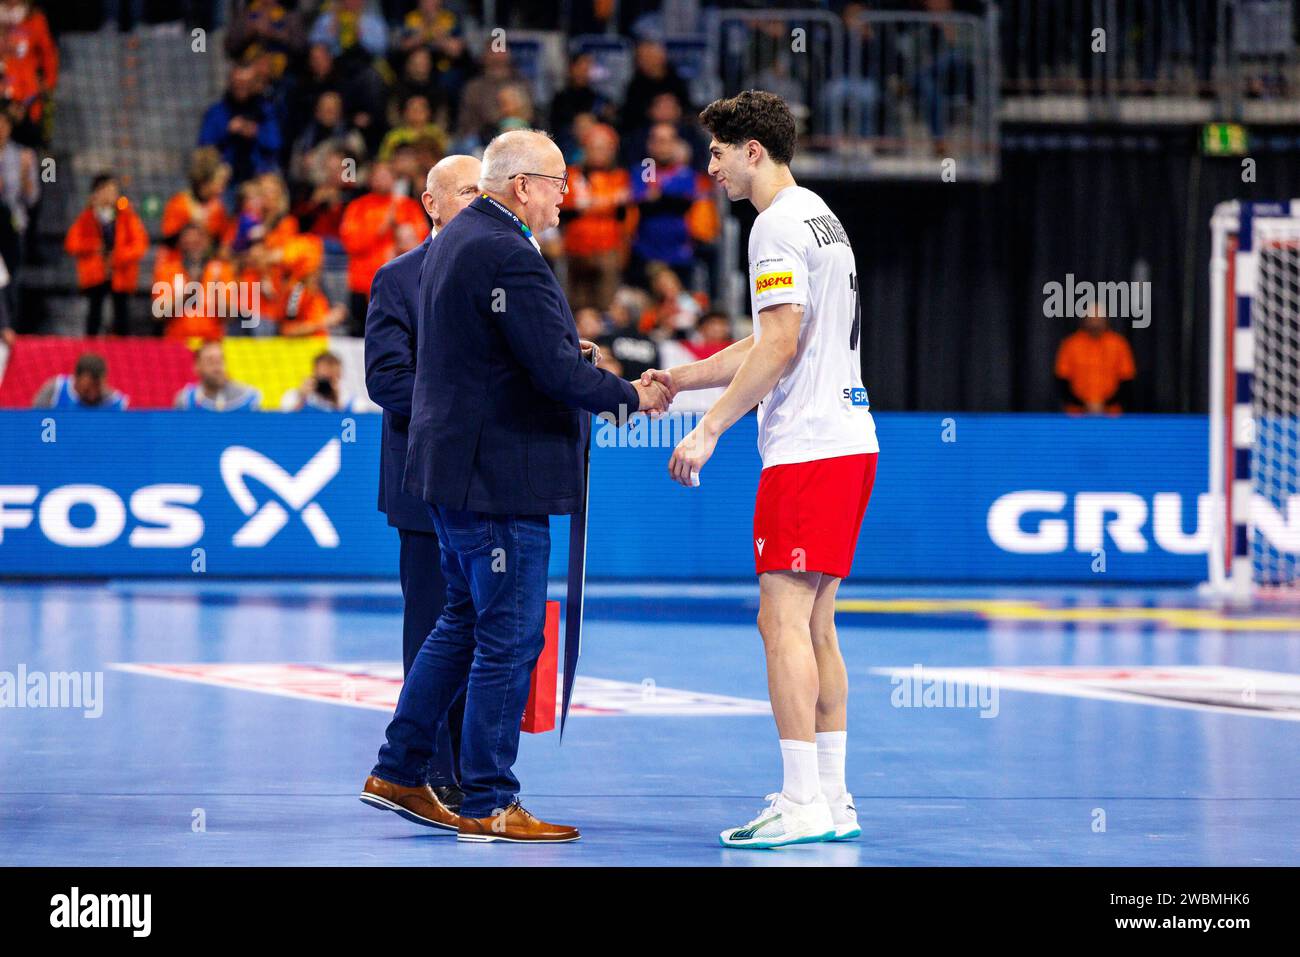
{"points": [[499, 377], [390, 377]]}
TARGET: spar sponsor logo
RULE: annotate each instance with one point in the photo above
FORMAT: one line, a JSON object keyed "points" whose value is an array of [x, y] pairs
{"points": [[165, 515], [1044, 522], [769, 281]]}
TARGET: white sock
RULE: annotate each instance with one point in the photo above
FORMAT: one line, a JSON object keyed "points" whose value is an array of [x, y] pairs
{"points": [[831, 746], [800, 760]]}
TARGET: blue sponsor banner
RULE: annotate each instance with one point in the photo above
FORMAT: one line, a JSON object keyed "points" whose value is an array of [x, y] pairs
{"points": [[967, 497], [958, 498], [169, 493]]}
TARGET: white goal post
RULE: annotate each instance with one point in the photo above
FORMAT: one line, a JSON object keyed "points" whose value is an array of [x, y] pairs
{"points": [[1255, 400]]}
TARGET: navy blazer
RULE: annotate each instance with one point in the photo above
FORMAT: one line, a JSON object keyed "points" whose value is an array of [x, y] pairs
{"points": [[499, 376], [390, 377]]}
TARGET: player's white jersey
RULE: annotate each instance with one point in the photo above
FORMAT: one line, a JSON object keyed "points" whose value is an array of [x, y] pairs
{"points": [[799, 253]]}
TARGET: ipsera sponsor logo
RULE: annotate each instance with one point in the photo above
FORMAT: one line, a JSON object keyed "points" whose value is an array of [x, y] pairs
{"points": [[773, 280]]}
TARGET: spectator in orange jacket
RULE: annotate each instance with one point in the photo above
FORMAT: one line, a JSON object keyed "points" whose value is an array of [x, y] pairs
{"points": [[193, 310], [674, 312], [308, 311], [260, 239], [377, 226], [595, 238], [31, 66], [201, 203], [1094, 368], [280, 224], [297, 304], [108, 241]]}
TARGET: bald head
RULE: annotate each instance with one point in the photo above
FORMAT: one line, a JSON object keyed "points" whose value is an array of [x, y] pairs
{"points": [[451, 185], [524, 169]]}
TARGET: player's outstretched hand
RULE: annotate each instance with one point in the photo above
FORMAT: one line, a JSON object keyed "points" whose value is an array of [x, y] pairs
{"points": [[663, 377], [690, 455], [654, 397]]}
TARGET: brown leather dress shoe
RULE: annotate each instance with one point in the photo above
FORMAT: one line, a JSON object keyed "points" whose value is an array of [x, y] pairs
{"points": [[418, 805], [515, 825]]}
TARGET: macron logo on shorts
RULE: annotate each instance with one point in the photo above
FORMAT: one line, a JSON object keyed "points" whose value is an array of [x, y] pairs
{"points": [[760, 542]]}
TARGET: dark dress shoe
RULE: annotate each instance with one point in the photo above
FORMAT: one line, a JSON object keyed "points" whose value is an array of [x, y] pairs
{"points": [[451, 796], [418, 805]]}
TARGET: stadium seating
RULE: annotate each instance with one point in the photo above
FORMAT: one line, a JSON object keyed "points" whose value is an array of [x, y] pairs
{"points": [[122, 105]]}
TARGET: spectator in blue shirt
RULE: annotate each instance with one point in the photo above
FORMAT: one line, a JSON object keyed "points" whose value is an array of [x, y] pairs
{"points": [[663, 191], [242, 125], [86, 388]]}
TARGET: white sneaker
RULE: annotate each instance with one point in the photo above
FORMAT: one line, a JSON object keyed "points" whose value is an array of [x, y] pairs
{"points": [[845, 816], [783, 822]]}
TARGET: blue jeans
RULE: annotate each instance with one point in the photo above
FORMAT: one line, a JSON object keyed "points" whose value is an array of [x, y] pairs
{"points": [[423, 596], [487, 640]]}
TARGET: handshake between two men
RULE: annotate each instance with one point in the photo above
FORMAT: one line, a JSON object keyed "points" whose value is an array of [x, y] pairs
{"points": [[656, 390]]}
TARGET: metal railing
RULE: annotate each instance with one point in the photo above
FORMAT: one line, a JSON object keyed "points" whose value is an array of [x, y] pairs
{"points": [[793, 53], [1151, 60], [877, 95], [923, 86]]}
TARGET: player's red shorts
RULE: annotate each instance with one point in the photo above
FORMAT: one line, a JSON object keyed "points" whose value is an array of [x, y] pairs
{"points": [[808, 514]]}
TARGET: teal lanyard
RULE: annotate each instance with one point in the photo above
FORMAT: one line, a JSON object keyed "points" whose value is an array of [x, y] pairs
{"points": [[517, 221]]}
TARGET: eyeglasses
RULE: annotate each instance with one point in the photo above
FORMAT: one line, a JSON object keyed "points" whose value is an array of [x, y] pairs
{"points": [[564, 180]]}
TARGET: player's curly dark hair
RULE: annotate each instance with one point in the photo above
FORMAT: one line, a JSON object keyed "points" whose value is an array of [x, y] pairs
{"points": [[753, 115]]}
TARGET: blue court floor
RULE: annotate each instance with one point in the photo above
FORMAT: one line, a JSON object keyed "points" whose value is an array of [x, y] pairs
{"points": [[237, 723]]}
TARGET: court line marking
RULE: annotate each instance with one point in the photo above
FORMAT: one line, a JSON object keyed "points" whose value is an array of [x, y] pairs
{"points": [[996, 609], [375, 686], [1183, 682]]}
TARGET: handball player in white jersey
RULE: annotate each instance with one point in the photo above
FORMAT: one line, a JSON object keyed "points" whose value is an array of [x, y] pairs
{"points": [[801, 367]]}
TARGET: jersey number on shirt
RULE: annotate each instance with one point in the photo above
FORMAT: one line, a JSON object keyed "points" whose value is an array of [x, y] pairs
{"points": [[857, 313]]}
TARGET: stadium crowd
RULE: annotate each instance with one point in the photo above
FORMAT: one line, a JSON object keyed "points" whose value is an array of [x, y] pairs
{"points": [[29, 73], [317, 152]]}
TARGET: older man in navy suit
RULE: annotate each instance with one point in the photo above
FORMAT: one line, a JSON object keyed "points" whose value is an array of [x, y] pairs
{"points": [[499, 422], [390, 376]]}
